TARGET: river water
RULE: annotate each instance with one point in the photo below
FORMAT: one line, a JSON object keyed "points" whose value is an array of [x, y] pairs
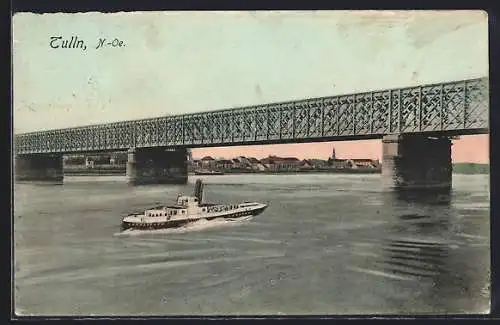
{"points": [[327, 244]]}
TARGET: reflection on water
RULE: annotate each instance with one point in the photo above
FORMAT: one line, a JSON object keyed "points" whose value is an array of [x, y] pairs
{"points": [[423, 245], [327, 244], [413, 258], [432, 246], [421, 197]]}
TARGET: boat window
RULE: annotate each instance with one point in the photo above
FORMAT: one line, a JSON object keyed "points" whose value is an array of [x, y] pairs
{"points": [[182, 211]]}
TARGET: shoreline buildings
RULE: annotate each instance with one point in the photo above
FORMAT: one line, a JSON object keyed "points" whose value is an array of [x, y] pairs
{"points": [[272, 163]]}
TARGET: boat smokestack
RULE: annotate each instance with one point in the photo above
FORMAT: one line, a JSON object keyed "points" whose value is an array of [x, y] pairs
{"points": [[198, 190]]}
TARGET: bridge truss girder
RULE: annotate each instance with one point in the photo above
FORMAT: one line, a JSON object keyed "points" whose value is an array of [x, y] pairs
{"points": [[454, 108]]}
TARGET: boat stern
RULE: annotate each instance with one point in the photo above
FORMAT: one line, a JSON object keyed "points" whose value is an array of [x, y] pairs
{"points": [[263, 207], [259, 208]]}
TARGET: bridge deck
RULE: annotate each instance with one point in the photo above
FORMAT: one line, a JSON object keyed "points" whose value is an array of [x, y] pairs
{"points": [[453, 108]]}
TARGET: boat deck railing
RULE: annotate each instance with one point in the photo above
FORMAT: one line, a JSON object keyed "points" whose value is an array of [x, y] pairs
{"points": [[222, 208]]}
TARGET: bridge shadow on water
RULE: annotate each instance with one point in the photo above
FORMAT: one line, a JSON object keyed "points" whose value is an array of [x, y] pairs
{"points": [[418, 251]]}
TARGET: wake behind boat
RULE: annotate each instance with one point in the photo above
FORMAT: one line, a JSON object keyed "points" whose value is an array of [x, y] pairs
{"points": [[189, 209]]}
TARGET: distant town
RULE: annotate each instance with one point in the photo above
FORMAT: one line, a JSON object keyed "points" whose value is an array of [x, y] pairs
{"points": [[282, 164], [239, 164], [115, 163]]}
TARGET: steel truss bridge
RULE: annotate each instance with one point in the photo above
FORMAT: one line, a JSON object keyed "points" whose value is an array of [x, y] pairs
{"points": [[452, 108]]}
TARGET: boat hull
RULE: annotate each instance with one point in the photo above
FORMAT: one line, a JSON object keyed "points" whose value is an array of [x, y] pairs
{"points": [[180, 223]]}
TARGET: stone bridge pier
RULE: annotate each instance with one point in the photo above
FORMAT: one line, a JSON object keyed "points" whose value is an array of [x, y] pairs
{"points": [[39, 168], [157, 166], [417, 162]]}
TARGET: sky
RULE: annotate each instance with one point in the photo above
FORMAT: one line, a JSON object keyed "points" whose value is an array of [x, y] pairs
{"points": [[180, 62]]}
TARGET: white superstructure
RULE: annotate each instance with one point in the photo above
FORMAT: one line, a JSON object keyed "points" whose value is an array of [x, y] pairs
{"points": [[189, 209]]}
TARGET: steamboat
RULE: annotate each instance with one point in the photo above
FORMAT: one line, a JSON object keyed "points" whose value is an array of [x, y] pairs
{"points": [[189, 209]]}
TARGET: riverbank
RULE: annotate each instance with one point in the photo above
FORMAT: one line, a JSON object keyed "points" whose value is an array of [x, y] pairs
{"points": [[458, 168], [103, 170], [310, 171], [122, 171], [94, 172], [471, 168]]}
